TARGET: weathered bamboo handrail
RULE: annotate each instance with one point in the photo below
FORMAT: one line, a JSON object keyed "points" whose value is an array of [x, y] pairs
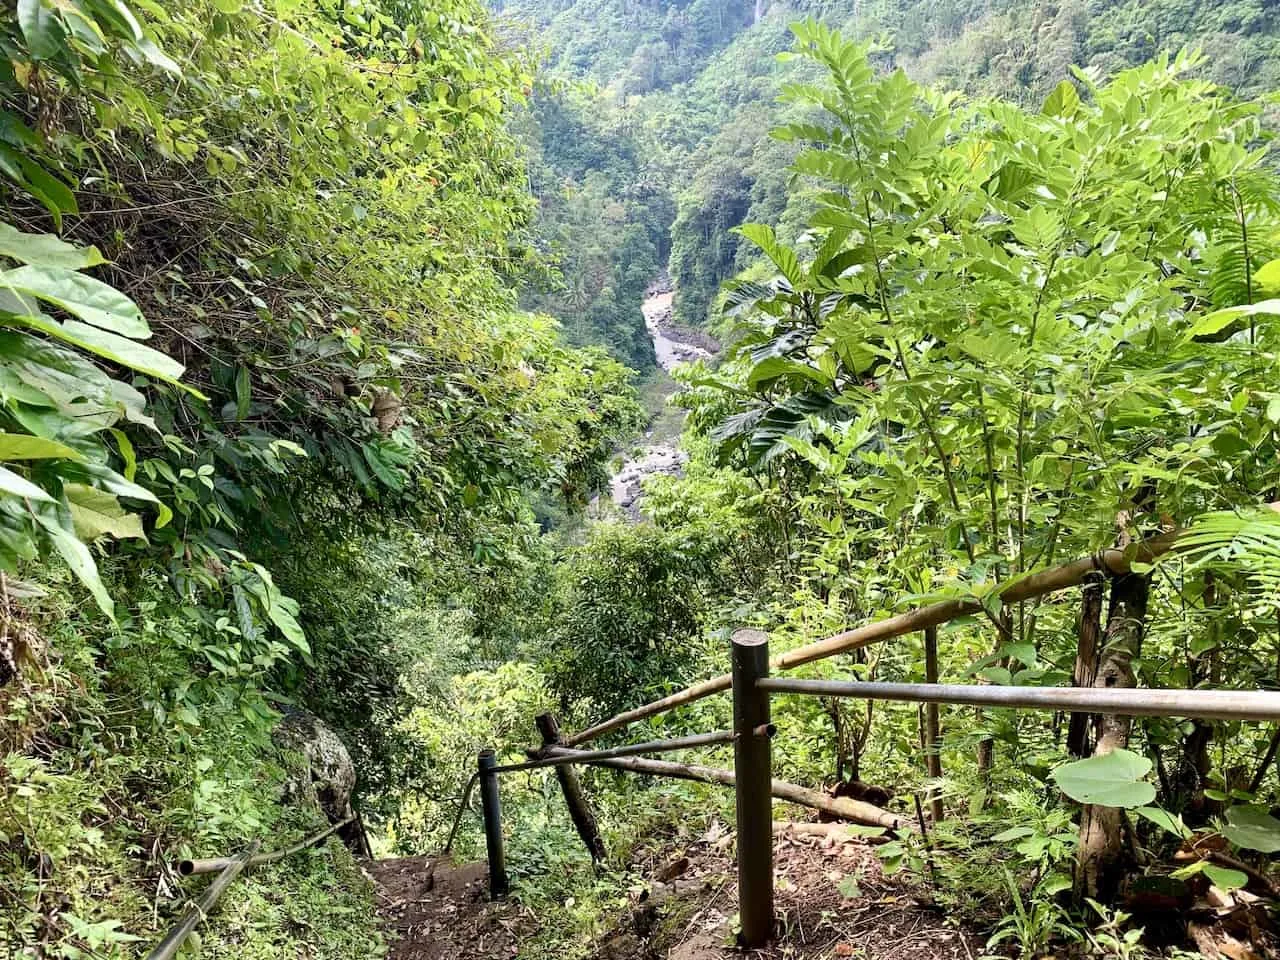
{"points": [[168, 947], [856, 811], [190, 868], [1114, 562], [1260, 705]]}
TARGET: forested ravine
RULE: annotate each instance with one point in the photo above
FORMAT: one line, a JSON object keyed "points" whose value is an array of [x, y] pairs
{"points": [[324, 324]]}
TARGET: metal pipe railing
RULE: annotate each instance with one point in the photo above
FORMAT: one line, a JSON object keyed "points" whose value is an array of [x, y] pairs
{"points": [[168, 947], [491, 808], [630, 750], [1259, 705], [560, 757], [1112, 562], [190, 868]]}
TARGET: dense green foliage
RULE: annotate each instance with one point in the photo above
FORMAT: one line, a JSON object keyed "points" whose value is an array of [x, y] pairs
{"points": [[313, 324], [696, 84], [598, 221], [338, 418]]}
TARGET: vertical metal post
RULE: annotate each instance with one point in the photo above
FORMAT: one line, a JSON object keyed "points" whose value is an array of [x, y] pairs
{"points": [[752, 764], [491, 805]]}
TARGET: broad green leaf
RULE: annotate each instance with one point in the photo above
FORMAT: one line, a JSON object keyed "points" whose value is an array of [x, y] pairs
{"points": [[1226, 878], [783, 257], [1165, 820], [1253, 828], [106, 478], [14, 131], [283, 613], [243, 392], [96, 513], [91, 300], [1267, 278], [388, 475], [79, 559], [1107, 780], [48, 189], [19, 486], [46, 250], [1219, 320], [17, 446], [127, 454], [1063, 102], [784, 366], [1223, 877], [127, 353], [156, 57], [41, 29]]}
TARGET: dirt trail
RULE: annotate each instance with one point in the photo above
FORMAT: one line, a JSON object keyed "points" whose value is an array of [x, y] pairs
{"points": [[434, 910], [833, 901]]}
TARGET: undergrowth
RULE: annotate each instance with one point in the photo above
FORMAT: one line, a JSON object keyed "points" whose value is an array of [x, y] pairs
{"points": [[108, 777]]}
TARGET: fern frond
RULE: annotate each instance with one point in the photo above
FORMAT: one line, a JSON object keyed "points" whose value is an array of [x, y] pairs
{"points": [[1247, 542]]}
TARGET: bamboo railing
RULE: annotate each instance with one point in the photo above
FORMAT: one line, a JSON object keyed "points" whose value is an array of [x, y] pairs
{"points": [[1110, 562], [752, 731], [227, 869]]}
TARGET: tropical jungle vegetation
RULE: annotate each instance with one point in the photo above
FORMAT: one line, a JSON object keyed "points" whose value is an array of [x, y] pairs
{"points": [[321, 336]]}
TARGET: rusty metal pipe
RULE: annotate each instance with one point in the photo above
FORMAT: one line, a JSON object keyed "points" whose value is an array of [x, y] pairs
{"points": [[189, 868], [1260, 705], [630, 750], [168, 947]]}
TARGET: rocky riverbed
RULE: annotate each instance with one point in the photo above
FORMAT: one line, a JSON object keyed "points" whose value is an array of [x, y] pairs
{"points": [[673, 346]]}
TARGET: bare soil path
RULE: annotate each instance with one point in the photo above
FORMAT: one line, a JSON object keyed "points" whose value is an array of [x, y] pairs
{"points": [[833, 901], [435, 910]]}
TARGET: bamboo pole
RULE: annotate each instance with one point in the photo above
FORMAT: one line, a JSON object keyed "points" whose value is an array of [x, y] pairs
{"points": [[584, 820], [1112, 561], [855, 811], [835, 832]]}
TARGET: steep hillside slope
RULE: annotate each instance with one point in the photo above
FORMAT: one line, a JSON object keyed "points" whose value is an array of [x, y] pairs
{"points": [[695, 87]]}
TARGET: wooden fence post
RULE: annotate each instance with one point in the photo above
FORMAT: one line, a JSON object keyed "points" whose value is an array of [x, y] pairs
{"points": [[491, 806], [932, 724], [752, 761], [579, 810]]}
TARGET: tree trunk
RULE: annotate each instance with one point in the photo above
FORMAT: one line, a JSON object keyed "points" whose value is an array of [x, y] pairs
{"points": [[1102, 858], [1086, 660]]}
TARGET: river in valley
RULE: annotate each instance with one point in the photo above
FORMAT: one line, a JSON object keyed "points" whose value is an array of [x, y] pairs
{"points": [[673, 346]]}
